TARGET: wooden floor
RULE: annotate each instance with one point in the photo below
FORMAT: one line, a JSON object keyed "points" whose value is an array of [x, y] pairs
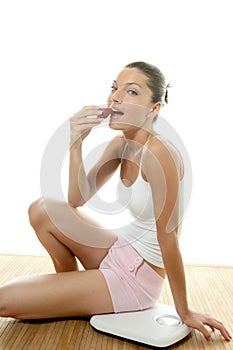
{"points": [[210, 290]]}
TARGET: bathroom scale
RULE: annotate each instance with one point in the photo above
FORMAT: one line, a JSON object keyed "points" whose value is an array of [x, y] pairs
{"points": [[158, 326]]}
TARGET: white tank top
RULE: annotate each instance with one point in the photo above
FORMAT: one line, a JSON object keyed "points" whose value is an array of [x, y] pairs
{"points": [[141, 231]]}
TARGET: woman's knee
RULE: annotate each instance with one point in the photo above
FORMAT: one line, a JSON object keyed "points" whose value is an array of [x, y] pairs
{"points": [[37, 213], [46, 210]]}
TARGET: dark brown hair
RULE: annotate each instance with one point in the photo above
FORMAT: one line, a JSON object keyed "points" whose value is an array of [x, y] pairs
{"points": [[156, 80]]}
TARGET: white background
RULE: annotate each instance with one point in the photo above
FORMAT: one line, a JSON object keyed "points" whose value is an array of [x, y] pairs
{"points": [[57, 56]]}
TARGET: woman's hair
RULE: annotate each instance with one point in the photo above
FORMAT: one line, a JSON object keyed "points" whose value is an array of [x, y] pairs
{"points": [[156, 82]]}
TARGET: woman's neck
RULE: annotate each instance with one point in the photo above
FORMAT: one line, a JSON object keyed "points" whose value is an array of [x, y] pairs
{"points": [[137, 138], [135, 142]]}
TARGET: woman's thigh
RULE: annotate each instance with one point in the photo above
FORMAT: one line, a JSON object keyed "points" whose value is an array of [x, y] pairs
{"points": [[86, 238], [78, 293]]}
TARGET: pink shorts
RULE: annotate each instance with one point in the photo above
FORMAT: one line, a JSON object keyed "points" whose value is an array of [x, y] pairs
{"points": [[132, 283]]}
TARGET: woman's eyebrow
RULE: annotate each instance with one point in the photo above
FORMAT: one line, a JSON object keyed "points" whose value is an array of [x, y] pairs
{"points": [[133, 83], [129, 83]]}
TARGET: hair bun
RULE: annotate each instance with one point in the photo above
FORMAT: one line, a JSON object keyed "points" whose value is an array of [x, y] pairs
{"points": [[167, 86]]}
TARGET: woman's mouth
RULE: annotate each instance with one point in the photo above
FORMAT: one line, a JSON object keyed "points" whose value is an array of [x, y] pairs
{"points": [[116, 114]]}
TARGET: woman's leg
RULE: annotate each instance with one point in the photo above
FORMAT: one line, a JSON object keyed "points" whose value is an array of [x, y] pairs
{"points": [[77, 293], [67, 233]]}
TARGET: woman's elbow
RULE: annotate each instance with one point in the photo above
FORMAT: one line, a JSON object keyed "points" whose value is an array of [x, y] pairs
{"points": [[75, 203]]}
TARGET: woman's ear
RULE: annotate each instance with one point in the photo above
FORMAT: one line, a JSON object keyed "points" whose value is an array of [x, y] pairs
{"points": [[154, 111]]}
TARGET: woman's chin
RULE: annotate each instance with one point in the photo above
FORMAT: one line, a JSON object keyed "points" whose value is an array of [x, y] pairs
{"points": [[116, 125]]}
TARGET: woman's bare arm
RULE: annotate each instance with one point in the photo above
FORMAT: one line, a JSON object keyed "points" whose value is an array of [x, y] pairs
{"points": [[83, 186], [162, 170]]}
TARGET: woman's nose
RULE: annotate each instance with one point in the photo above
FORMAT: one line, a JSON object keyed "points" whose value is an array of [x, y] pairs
{"points": [[117, 96]]}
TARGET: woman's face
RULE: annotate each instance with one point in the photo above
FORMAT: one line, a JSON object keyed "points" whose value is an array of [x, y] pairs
{"points": [[130, 99]]}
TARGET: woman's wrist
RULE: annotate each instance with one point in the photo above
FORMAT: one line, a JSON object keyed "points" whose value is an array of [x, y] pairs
{"points": [[76, 146], [183, 313]]}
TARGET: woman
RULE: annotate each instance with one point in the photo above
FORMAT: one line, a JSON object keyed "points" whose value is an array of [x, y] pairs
{"points": [[124, 268]]}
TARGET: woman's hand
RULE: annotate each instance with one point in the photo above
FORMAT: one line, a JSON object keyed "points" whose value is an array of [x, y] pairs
{"points": [[199, 321], [82, 123]]}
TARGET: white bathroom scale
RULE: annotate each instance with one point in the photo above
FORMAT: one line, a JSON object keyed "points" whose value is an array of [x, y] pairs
{"points": [[159, 326]]}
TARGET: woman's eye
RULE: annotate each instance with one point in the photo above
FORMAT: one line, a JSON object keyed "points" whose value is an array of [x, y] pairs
{"points": [[132, 92], [113, 88]]}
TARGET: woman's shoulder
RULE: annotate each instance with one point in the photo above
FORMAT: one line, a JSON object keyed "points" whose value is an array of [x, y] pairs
{"points": [[164, 151], [158, 143]]}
